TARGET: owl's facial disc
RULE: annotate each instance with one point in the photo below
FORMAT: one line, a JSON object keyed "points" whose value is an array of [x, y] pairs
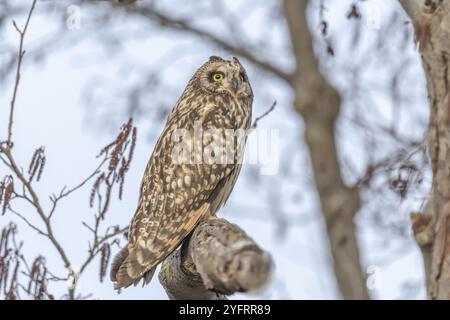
{"points": [[228, 77], [224, 78]]}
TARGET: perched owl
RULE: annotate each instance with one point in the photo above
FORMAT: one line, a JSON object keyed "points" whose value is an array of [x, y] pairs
{"points": [[181, 185]]}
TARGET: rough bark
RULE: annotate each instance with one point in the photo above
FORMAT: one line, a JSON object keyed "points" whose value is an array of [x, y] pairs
{"points": [[219, 259], [431, 19], [318, 103]]}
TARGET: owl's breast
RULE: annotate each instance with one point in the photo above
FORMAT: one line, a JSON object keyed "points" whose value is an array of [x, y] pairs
{"points": [[230, 112]]}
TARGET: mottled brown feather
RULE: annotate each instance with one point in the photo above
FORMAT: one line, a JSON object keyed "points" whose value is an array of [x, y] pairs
{"points": [[175, 197]]}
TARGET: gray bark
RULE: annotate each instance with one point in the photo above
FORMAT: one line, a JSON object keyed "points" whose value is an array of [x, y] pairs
{"points": [[431, 19], [217, 260], [319, 103]]}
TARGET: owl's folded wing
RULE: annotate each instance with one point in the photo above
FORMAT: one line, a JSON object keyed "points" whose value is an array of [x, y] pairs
{"points": [[175, 196]]}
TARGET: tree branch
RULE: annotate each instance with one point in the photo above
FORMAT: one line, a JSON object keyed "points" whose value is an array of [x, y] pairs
{"points": [[20, 55], [166, 21], [66, 192], [116, 171], [217, 260], [95, 250], [265, 114], [319, 103], [412, 7], [432, 228], [7, 149]]}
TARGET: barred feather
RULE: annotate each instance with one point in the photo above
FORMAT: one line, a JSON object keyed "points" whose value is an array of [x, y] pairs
{"points": [[176, 197]]}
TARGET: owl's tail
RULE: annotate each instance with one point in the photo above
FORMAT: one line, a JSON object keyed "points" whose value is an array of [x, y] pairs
{"points": [[119, 271]]}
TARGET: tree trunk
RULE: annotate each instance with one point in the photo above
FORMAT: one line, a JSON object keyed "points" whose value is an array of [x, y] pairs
{"points": [[431, 20], [318, 103]]}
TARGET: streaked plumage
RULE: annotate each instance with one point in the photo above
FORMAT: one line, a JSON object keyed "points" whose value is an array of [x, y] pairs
{"points": [[175, 197]]}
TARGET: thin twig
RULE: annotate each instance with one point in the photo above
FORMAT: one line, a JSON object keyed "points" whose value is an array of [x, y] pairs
{"points": [[19, 65], [12, 163], [66, 192], [96, 249], [32, 226], [35, 202], [255, 123], [182, 25]]}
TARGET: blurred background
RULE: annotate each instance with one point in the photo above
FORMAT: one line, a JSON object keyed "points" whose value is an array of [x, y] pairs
{"points": [[351, 118]]}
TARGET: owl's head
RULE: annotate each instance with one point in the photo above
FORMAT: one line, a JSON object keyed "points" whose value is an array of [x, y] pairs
{"points": [[224, 77]]}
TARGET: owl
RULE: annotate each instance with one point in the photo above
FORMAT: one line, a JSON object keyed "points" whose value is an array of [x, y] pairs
{"points": [[188, 178]]}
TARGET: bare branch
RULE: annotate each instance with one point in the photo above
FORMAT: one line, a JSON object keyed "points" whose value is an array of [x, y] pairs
{"points": [[219, 259], [431, 228], [20, 55], [182, 25], [66, 192], [99, 242], [255, 123], [31, 225], [7, 150], [412, 7], [318, 102]]}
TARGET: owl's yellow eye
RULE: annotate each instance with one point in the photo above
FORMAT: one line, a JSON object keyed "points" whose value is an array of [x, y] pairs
{"points": [[218, 76]]}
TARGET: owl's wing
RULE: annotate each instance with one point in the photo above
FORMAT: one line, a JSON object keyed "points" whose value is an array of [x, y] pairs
{"points": [[174, 198]]}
